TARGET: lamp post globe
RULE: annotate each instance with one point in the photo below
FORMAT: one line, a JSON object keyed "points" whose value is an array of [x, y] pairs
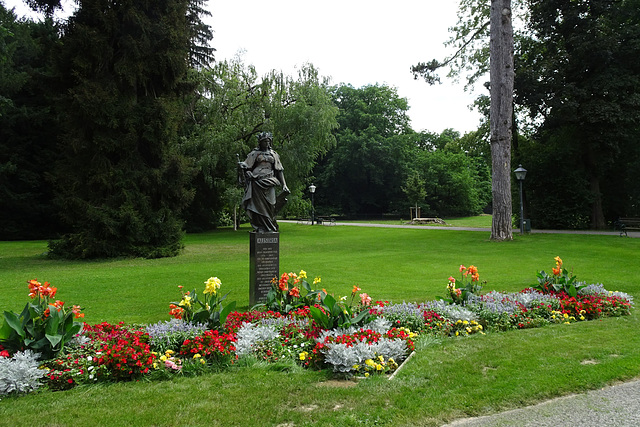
{"points": [[312, 190], [521, 173]]}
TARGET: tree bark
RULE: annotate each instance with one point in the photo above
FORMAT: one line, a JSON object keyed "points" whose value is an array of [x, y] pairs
{"points": [[501, 81]]}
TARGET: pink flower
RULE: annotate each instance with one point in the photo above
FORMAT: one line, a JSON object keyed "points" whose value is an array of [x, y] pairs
{"points": [[365, 299], [451, 279]]}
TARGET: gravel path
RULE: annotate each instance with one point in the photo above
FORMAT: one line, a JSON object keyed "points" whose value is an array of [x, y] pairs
{"points": [[615, 406], [635, 234]]}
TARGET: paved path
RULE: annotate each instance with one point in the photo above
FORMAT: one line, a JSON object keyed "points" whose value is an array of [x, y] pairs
{"points": [[635, 234], [615, 406]]}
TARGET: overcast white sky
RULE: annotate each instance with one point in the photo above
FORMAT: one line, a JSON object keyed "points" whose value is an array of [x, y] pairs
{"points": [[359, 42]]}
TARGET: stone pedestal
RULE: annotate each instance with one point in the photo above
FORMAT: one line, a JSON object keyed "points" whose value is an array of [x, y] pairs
{"points": [[264, 249]]}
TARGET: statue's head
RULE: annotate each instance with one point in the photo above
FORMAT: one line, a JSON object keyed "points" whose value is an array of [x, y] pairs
{"points": [[265, 137]]}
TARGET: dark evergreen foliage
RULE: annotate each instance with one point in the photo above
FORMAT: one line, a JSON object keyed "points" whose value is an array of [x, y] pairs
{"points": [[122, 182], [28, 129]]}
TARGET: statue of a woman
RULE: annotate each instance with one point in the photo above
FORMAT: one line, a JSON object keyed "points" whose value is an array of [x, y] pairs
{"points": [[263, 172]]}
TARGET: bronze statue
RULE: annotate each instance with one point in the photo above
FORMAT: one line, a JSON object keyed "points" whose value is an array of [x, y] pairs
{"points": [[262, 172]]}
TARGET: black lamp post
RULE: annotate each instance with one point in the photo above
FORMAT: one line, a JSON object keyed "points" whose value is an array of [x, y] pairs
{"points": [[521, 173], [312, 190]]}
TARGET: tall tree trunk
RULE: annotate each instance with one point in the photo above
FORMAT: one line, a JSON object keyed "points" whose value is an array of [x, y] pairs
{"points": [[501, 79]]}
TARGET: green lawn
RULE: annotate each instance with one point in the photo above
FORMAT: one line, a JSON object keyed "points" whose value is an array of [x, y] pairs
{"points": [[446, 379]]}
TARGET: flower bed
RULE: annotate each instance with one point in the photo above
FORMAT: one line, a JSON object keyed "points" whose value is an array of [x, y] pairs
{"points": [[350, 335]]}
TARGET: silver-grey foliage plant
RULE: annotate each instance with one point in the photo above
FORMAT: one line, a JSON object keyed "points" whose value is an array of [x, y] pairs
{"points": [[20, 373], [343, 358]]}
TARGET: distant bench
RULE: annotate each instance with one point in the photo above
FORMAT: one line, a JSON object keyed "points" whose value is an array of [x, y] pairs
{"points": [[624, 224], [326, 220]]}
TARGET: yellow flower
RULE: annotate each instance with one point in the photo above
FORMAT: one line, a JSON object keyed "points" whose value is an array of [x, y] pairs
{"points": [[202, 362], [197, 356], [303, 274], [566, 316], [303, 355], [558, 260], [369, 362], [465, 322], [366, 374], [317, 280], [355, 367], [169, 352], [380, 358], [163, 358], [581, 317], [186, 301], [212, 285], [379, 367]]}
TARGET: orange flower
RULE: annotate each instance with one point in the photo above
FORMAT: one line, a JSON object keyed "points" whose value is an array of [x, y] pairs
{"points": [[76, 311], [556, 271], [475, 277], [58, 304], [558, 261], [176, 311], [283, 284], [451, 279], [295, 292], [472, 270], [462, 268], [355, 289]]}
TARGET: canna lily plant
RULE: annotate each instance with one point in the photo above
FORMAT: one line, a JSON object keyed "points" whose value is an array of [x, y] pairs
{"points": [[285, 293], [331, 313], [206, 310], [458, 295], [561, 280], [44, 326]]}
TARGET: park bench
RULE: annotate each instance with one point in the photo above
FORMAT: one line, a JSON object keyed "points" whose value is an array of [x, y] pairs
{"points": [[326, 220], [627, 224]]}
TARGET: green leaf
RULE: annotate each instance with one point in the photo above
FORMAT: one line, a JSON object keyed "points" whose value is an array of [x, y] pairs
{"points": [[53, 321], [54, 339], [14, 323], [225, 312], [321, 318], [329, 302], [364, 313]]}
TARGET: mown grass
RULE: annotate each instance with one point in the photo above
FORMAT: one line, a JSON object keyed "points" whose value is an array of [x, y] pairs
{"points": [[447, 379]]}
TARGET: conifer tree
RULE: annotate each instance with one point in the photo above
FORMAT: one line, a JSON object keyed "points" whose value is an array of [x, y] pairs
{"points": [[122, 181]]}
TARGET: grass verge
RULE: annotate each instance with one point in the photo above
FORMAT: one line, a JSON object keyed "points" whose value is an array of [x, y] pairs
{"points": [[448, 379]]}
